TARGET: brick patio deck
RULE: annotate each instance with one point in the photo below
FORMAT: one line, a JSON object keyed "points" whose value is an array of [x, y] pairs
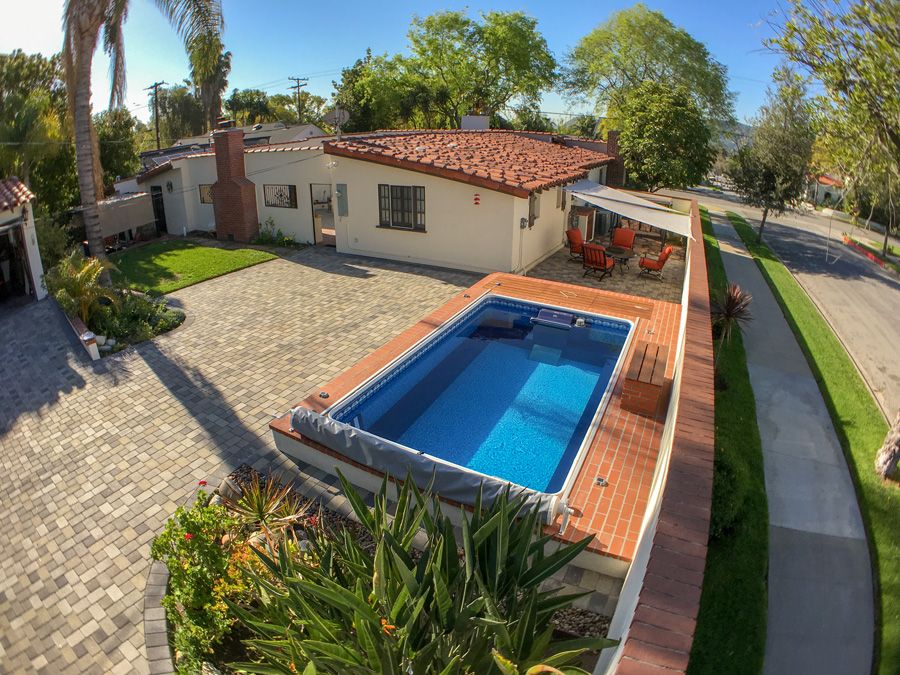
{"points": [[625, 448]]}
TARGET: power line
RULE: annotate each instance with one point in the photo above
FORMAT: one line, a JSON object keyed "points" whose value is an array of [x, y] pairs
{"points": [[298, 83], [155, 87]]}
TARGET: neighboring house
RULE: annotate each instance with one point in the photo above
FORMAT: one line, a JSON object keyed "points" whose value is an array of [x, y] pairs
{"points": [[474, 200], [825, 189], [269, 133], [21, 272], [287, 177]]}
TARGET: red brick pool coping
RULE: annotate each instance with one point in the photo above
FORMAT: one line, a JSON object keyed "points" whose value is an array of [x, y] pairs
{"points": [[661, 633], [626, 446]]}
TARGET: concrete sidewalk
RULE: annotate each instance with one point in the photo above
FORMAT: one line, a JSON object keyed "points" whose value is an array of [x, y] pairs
{"points": [[820, 612]]}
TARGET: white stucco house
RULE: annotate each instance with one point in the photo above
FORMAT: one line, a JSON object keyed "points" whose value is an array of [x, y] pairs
{"points": [[21, 272], [478, 200]]}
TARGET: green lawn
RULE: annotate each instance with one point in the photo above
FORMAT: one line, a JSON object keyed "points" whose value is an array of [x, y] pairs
{"points": [[861, 430], [165, 266], [731, 626]]}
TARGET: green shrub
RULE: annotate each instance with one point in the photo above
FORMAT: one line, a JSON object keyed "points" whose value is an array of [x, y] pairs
{"points": [[135, 319], [202, 574], [75, 284], [269, 235], [53, 241], [342, 606]]}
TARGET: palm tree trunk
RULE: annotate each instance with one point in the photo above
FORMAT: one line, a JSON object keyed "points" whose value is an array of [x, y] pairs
{"points": [[84, 154], [889, 455], [762, 224]]}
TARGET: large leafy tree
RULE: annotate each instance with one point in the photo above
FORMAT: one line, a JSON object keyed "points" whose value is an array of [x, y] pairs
{"points": [[117, 134], [181, 113], [664, 139], [853, 50], [85, 24], [471, 66], [249, 106], [30, 130], [33, 79], [369, 91], [284, 108], [770, 172], [637, 45]]}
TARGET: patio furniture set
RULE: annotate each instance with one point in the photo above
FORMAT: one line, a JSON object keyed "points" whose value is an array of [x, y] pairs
{"points": [[600, 260]]}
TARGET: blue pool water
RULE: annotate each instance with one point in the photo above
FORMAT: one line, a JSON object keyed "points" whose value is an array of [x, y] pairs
{"points": [[497, 393]]}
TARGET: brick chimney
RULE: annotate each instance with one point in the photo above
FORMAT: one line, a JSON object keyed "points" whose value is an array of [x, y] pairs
{"points": [[233, 194], [615, 170]]}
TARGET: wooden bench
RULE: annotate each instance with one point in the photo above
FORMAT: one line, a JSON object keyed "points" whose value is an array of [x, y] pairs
{"points": [[645, 379]]}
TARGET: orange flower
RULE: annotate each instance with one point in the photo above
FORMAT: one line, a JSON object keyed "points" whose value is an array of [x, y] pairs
{"points": [[387, 627]]}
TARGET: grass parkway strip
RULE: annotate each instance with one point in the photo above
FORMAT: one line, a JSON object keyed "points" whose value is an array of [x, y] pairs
{"points": [[861, 429], [731, 627]]}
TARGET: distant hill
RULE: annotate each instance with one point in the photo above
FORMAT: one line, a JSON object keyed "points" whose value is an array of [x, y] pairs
{"points": [[731, 135]]}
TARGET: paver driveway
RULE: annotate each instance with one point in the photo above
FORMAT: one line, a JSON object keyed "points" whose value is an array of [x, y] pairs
{"points": [[95, 457]]}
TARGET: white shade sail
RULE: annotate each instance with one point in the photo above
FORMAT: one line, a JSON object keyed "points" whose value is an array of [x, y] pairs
{"points": [[632, 206]]}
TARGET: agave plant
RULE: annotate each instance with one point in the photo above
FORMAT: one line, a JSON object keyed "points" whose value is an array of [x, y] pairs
{"points": [[268, 507], [76, 285], [469, 606], [729, 311]]}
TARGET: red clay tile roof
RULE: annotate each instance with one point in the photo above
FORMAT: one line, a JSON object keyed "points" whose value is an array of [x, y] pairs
{"points": [[13, 192], [505, 161], [828, 181]]}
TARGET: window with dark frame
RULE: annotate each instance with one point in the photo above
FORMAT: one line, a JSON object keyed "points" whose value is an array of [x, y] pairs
{"points": [[205, 193], [401, 206], [281, 196]]}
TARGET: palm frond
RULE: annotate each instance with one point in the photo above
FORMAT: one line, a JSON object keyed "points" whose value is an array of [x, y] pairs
{"points": [[193, 19], [114, 45]]}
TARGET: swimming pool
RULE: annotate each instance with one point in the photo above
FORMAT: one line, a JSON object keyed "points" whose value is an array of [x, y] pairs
{"points": [[507, 390], [507, 393]]}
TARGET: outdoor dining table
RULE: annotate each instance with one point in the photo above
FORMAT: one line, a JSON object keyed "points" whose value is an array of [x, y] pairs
{"points": [[620, 255]]}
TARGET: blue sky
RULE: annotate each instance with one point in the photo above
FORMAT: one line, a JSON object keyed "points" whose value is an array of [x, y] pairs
{"points": [[271, 40]]}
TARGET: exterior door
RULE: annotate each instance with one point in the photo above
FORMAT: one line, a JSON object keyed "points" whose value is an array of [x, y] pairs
{"points": [[159, 209]]}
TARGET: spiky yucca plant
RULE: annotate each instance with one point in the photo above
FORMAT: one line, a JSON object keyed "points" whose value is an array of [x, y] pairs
{"points": [[266, 506], [730, 311], [469, 606], [75, 284]]}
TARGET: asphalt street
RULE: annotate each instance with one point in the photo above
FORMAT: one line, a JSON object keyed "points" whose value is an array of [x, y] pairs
{"points": [[859, 299]]}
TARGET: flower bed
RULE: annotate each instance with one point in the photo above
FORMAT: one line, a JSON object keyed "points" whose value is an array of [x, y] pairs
{"points": [[117, 317], [264, 581]]}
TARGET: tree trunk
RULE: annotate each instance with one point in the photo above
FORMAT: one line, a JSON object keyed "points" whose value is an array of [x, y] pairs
{"points": [[762, 224], [84, 151], [889, 455]]}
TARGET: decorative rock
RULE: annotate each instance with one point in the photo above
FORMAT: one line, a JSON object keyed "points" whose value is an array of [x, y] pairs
{"points": [[209, 669], [303, 545], [101, 340], [111, 341], [106, 348]]}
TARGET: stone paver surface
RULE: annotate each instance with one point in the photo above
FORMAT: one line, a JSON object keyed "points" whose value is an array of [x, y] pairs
{"points": [[95, 457], [624, 279], [820, 610]]}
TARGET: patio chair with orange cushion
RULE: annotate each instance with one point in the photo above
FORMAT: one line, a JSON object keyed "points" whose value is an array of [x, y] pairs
{"points": [[653, 267], [622, 237], [596, 262], [576, 241]]}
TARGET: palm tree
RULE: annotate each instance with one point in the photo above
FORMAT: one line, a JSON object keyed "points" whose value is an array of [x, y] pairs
{"points": [[210, 67], [30, 133], [83, 21]]}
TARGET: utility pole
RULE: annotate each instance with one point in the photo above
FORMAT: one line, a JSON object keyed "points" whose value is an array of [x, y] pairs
{"points": [[155, 87], [298, 83]]}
